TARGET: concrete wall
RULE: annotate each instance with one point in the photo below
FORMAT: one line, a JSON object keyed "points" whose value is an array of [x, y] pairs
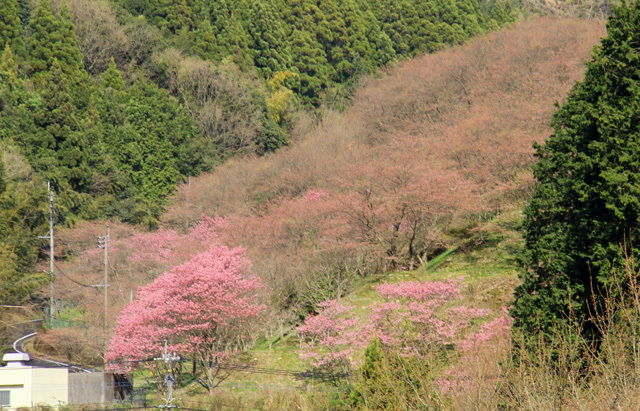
{"points": [[90, 388]]}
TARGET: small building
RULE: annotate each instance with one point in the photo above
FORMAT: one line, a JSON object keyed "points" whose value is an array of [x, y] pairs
{"points": [[25, 385]]}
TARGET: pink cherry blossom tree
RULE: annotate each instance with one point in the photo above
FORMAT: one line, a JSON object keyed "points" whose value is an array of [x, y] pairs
{"points": [[205, 308], [415, 319], [332, 337]]}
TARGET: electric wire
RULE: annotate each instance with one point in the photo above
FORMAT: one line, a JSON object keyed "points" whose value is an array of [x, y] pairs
{"points": [[259, 370], [71, 279]]}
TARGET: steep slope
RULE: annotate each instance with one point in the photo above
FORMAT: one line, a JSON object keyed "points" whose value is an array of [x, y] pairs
{"points": [[425, 150]]}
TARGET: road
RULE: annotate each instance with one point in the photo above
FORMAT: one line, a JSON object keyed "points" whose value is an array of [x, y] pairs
{"points": [[26, 331]]}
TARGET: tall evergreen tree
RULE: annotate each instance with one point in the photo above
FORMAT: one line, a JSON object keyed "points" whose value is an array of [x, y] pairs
{"points": [[205, 42], [64, 144], [382, 51], [10, 28], [54, 38], [311, 64], [45, 39], [583, 219], [268, 38], [233, 39], [112, 77], [68, 53], [8, 66], [393, 24], [173, 15], [350, 47]]}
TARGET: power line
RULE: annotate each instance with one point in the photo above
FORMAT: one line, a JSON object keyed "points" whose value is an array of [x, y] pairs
{"points": [[72, 280], [325, 376]]}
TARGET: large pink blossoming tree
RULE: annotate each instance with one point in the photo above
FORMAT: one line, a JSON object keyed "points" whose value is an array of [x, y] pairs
{"points": [[206, 309]]}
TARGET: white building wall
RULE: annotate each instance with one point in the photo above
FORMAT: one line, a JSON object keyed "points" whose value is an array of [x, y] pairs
{"points": [[50, 386], [30, 386], [18, 382]]}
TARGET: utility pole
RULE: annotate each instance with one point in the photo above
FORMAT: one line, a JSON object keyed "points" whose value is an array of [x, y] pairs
{"points": [[103, 241], [52, 306], [169, 359]]}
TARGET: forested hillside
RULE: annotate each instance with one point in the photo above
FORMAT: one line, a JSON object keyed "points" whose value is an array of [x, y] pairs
{"points": [[428, 153], [264, 176], [116, 102]]}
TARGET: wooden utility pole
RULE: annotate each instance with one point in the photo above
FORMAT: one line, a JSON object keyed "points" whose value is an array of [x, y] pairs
{"points": [[104, 242], [52, 306]]}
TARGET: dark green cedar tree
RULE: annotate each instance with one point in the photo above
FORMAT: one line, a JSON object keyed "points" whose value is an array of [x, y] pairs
{"points": [[583, 219], [53, 38], [232, 36], [350, 48], [173, 15], [10, 28], [45, 39], [309, 34], [311, 65], [63, 144], [393, 24], [205, 43], [8, 66], [382, 51], [268, 44], [21, 220], [112, 77]]}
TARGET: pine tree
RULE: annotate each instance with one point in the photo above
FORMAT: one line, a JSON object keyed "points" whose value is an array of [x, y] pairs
{"points": [[382, 51], [470, 16], [394, 25], [17, 108], [583, 219], [68, 53], [57, 115], [10, 28], [173, 15], [154, 125], [347, 45], [25, 10], [309, 39], [232, 37]]}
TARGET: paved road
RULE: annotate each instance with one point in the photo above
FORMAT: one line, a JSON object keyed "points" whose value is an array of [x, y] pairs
{"points": [[25, 332], [16, 331]]}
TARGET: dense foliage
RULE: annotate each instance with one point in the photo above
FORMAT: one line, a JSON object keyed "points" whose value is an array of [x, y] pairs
{"points": [[582, 222]]}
